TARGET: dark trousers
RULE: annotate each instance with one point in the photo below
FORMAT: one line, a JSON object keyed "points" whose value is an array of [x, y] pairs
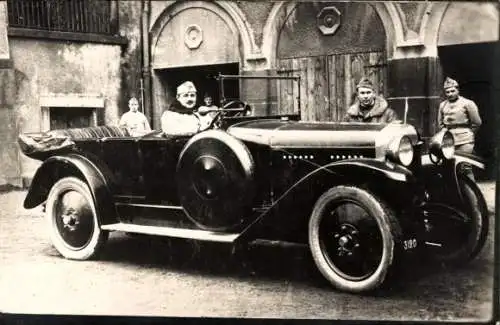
{"points": [[466, 169]]}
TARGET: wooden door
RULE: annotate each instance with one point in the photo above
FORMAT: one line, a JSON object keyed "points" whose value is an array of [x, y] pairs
{"points": [[327, 83]]}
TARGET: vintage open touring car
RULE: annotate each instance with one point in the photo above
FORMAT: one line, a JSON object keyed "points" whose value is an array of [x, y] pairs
{"points": [[362, 196]]}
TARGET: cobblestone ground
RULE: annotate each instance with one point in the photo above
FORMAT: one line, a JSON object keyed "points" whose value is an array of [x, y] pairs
{"points": [[155, 277]]}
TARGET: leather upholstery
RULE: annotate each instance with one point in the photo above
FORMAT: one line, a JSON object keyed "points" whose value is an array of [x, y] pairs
{"points": [[96, 132]]}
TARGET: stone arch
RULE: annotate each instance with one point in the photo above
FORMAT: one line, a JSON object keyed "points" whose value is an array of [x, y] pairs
{"points": [[431, 25], [281, 10], [481, 27], [229, 12]]}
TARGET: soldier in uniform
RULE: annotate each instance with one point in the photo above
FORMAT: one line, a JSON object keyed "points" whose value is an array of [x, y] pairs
{"points": [[180, 118], [136, 122], [209, 106], [368, 106], [461, 116]]}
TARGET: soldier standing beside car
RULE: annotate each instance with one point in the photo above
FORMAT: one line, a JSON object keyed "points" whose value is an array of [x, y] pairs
{"points": [[136, 122], [461, 117], [368, 106], [180, 118]]}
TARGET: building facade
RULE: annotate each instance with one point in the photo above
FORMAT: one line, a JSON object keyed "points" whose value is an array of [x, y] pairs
{"points": [[406, 48], [63, 64], [54, 78]]}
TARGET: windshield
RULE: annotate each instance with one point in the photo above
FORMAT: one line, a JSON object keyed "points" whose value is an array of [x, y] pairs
{"points": [[281, 93]]}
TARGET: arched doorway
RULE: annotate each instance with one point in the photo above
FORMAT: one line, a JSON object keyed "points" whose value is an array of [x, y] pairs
{"points": [[467, 53], [330, 45], [193, 41]]}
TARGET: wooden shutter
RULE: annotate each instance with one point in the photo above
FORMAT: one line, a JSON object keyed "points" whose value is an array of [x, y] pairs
{"points": [[328, 83]]}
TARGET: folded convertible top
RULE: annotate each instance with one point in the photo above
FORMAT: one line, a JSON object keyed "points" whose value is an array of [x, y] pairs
{"points": [[43, 145]]}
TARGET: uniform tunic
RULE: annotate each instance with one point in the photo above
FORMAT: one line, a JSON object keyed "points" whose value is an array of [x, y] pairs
{"points": [[178, 120], [136, 123], [378, 113], [461, 117]]}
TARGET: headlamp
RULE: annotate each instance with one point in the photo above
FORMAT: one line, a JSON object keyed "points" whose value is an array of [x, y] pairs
{"points": [[400, 151], [442, 146]]}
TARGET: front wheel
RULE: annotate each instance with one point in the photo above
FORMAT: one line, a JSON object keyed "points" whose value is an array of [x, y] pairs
{"points": [[456, 234], [72, 220], [352, 237]]}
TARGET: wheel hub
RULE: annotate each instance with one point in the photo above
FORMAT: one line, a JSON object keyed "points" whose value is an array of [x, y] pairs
{"points": [[347, 240], [73, 217], [209, 177], [71, 220]]}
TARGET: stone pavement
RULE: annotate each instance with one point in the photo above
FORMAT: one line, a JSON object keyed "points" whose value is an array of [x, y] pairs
{"points": [[488, 189]]}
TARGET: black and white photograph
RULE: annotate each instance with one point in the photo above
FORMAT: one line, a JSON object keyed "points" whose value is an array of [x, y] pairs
{"points": [[317, 160]]}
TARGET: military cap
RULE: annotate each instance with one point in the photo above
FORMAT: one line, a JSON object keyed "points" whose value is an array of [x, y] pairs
{"points": [[365, 83], [450, 83], [186, 87]]}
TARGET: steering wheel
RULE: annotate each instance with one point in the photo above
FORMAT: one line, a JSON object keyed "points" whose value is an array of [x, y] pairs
{"points": [[231, 111], [226, 110]]}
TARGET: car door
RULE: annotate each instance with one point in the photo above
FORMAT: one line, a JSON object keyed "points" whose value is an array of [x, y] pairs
{"points": [[159, 160], [123, 157]]}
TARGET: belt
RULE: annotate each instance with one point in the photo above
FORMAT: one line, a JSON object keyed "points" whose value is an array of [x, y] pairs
{"points": [[456, 126]]}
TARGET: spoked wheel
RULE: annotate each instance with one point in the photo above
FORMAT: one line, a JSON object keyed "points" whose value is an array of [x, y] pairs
{"points": [[72, 220], [352, 236], [456, 234]]}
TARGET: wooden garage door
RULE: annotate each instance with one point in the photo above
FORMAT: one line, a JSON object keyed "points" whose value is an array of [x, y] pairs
{"points": [[328, 83]]}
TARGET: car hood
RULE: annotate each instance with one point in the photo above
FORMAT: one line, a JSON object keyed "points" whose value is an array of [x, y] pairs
{"points": [[293, 134]]}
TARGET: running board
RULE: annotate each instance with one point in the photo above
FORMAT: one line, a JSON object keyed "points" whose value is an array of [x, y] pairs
{"points": [[173, 232]]}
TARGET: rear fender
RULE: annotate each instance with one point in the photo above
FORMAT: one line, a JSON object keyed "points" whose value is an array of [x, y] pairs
{"points": [[96, 176], [294, 206]]}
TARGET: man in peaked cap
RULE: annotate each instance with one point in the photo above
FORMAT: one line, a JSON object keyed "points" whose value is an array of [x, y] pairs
{"points": [[369, 107], [461, 116], [180, 118]]}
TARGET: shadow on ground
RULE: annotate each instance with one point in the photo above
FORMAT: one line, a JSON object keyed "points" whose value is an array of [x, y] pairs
{"points": [[290, 263]]}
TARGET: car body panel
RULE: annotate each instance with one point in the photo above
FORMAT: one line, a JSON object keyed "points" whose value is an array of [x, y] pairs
{"points": [[95, 174]]}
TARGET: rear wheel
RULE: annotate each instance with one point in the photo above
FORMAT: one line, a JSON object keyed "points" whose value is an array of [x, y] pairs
{"points": [[456, 234], [72, 220], [352, 237]]}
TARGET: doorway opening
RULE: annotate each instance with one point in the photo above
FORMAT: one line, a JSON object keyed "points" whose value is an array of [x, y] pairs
{"points": [[472, 65], [204, 80]]}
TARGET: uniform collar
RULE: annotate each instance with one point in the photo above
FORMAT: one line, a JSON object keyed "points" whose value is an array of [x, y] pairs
{"points": [[378, 108]]}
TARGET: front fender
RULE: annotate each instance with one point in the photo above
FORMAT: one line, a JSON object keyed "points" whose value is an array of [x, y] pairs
{"points": [[299, 199], [441, 180], [460, 157], [57, 167], [447, 171]]}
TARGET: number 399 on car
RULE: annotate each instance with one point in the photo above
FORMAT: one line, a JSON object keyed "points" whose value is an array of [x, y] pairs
{"points": [[362, 197]]}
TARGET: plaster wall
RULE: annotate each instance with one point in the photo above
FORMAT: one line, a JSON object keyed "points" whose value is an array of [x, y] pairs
{"points": [[360, 30], [131, 57], [469, 22], [44, 67], [157, 7]]}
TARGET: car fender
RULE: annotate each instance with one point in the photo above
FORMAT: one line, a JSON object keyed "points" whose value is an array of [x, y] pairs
{"points": [[93, 173], [300, 194], [460, 157], [447, 171]]}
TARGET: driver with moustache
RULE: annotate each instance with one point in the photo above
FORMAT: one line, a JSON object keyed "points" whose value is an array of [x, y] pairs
{"points": [[181, 118]]}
